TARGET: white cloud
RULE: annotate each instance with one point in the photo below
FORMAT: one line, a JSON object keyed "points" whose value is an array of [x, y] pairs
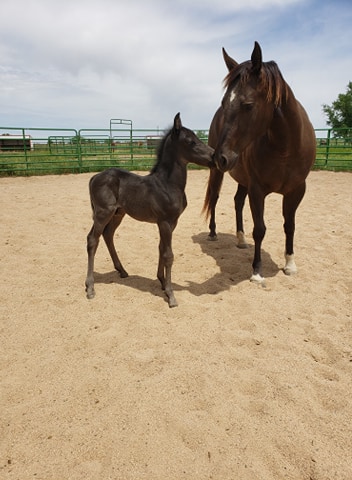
{"points": [[82, 63]]}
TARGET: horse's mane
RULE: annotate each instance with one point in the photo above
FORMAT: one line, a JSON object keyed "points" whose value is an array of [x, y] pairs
{"points": [[160, 150], [270, 80]]}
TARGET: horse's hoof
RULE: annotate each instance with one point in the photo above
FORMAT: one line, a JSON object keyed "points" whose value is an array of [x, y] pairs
{"points": [[290, 267], [212, 238], [123, 274], [241, 240], [257, 279], [290, 271]]}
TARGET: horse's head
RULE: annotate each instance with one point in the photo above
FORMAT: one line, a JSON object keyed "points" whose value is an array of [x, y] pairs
{"points": [[253, 91], [189, 147]]}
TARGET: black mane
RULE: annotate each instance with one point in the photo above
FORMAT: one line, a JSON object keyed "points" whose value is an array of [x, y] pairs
{"points": [[160, 157]]}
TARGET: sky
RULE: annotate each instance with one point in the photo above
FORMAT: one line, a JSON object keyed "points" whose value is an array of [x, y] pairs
{"points": [[79, 63]]}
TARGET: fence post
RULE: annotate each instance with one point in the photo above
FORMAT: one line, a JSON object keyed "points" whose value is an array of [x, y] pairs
{"points": [[79, 150], [25, 147], [328, 139], [131, 144]]}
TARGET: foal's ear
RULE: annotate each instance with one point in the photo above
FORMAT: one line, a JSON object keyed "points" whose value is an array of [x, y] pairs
{"points": [[230, 62], [177, 123], [256, 58]]}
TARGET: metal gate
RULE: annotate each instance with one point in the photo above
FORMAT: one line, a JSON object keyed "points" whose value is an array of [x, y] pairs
{"points": [[38, 151]]}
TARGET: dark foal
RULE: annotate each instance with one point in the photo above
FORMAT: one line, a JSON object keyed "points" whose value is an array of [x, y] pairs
{"points": [[158, 197]]}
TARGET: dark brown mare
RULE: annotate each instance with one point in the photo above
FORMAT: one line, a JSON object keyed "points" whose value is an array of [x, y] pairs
{"points": [[263, 137], [158, 197]]}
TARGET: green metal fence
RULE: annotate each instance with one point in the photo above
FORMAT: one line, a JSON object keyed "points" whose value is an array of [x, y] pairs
{"points": [[334, 149], [38, 151]]}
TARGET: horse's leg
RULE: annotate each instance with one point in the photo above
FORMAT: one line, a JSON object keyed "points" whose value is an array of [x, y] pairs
{"points": [[256, 200], [239, 199], [211, 199], [212, 225], [108, 235], [166, 258], [289, 206]]}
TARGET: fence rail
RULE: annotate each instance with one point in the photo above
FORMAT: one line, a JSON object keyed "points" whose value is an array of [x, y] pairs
{"points": [[39, 151]]}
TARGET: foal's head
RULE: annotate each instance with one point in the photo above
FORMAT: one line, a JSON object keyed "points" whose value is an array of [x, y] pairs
{"points": [[181, 144], [254, 90]]}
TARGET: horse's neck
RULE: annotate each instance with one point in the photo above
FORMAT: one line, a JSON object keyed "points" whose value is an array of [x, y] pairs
{"points": [[173, 171], [286, 122]]}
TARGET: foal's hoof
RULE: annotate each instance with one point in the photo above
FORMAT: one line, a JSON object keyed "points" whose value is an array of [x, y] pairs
{"points": [[123, 274], [171, 299], [173, 303], [90, 295]]}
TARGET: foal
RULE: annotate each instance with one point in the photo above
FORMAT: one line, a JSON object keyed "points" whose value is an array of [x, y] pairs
{"points": [[158, 197]]}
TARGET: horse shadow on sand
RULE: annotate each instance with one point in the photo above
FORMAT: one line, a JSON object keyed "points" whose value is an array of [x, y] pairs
{"points": [[233, 266]]}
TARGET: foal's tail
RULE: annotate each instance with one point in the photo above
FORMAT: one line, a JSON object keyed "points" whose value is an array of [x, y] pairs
{"points": [[212, 194], [90, 195]]}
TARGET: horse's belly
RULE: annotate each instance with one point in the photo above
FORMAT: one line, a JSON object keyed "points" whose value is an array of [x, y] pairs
{"points": [[277, 178]]}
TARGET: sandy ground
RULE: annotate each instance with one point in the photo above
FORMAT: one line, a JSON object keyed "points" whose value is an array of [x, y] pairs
{"points": [[238, 382]]}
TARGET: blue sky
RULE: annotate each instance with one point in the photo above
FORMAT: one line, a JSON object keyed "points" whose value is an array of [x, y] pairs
{"points": [[78, 63]]}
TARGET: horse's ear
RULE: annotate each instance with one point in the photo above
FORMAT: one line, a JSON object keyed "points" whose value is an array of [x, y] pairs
{"points": [[177, 123], [230, 62], [256, 58]]}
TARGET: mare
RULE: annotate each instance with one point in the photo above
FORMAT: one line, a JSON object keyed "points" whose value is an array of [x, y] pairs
{"points": [[263, 137], [158, 197]]}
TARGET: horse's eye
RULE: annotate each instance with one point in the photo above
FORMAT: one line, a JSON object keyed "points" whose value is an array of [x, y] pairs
{"points": [[247, 106]]}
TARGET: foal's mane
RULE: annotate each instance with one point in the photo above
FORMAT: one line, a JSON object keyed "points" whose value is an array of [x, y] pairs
{"points": [[270, 80], [160, 159]]}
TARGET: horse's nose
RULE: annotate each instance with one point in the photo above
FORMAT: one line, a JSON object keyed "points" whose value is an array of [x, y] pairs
{"points": [[225, 161]]}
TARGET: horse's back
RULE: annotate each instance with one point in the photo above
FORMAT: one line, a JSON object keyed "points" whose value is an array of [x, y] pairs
{"points": [[143, 197], [104, 182], [107, 187]]}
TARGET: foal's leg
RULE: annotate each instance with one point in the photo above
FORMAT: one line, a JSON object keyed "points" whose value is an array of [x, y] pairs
{"points": [[256, 200], [108, 235], [100, 222], [92, 245], [239, 199], [166, 258], [289, 206]]}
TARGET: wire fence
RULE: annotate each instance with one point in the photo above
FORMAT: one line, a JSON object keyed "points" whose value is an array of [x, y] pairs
{"points": [[40, 151]]}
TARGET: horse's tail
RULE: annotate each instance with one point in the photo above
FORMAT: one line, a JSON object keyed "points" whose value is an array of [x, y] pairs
{"points": [[212, 194]]}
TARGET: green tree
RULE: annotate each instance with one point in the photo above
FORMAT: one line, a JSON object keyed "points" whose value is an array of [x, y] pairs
{"points": [[202, 134], [339, 113]]}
